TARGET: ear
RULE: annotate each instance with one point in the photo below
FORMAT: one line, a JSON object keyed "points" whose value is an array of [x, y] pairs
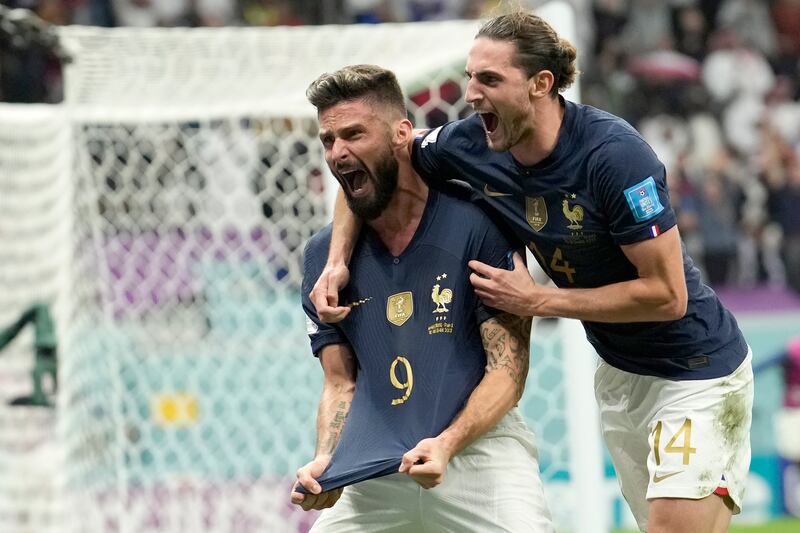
{"points": [[541, 83], [403, 132]]}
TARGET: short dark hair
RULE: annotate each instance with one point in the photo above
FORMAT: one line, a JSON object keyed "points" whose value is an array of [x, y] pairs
{"points": [[353, 82], [538, 46]]}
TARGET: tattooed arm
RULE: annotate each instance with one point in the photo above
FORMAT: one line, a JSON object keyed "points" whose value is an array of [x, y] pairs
{"points": [[506, 341], [339, 367]]}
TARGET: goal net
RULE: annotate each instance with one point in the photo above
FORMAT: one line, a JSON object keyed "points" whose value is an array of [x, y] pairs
{"points": [[161, 212]]}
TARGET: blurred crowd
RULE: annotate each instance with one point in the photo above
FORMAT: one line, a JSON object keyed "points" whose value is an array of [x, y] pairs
{"points": [[714, 86]]}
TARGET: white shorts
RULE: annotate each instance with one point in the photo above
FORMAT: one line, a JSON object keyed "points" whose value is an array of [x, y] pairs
{"points": [[676, 439], [492, 485]]}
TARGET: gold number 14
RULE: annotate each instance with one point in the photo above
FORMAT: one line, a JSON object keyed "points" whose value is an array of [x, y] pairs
{"points": [[557, 262], [686, 449]]}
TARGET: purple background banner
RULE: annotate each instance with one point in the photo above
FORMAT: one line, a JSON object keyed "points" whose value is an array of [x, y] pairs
{"points": [[759, 299]]}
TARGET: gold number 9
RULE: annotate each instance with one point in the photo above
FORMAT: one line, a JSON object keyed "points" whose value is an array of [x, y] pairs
{"points": [[408, 385]]}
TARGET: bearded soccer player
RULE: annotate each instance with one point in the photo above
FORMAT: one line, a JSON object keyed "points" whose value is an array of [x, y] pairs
{"points": [[589, 197], [417, 429]]}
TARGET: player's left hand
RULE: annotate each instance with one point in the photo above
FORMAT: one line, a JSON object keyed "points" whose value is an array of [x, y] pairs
{"points": [[512, 291], [426, 463]]}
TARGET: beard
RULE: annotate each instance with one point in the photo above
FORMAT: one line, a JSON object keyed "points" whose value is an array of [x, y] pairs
{"points": [[385, 181]]}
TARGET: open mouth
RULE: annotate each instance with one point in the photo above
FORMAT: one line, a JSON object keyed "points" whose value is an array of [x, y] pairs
{"points": [[490, 122], [357, 181]]}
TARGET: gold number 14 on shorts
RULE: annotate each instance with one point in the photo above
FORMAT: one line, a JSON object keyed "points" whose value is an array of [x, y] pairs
{"points": [[686, 449]]}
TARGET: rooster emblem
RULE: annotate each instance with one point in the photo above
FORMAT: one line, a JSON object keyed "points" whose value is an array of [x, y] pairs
{"points": [[441, 299], [574, 214]]}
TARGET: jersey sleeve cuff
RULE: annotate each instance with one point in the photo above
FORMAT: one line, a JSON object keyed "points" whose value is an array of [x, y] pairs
{"points": [[484, 313], [326, 339], [651, 230]]}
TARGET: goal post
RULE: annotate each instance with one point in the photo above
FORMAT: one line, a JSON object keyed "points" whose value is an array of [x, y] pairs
{"points": [[162, 211]]}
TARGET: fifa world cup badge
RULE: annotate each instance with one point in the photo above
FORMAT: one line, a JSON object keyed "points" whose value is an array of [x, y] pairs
{"points": [[399, 308]]}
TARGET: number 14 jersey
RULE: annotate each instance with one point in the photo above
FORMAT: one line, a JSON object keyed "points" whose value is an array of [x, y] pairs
{"points": [[601, 187]]}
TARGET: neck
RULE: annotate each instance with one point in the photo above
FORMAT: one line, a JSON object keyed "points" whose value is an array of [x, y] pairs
{"points": [[542, 139], [399, 221]]}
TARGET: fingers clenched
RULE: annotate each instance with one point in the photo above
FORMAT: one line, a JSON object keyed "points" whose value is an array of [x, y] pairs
{"points": [[409, 459]]}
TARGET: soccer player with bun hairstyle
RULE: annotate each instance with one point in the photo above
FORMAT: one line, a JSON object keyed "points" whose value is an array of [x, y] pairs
{"points": [[588, 196], [421, 379], [538, 47]]}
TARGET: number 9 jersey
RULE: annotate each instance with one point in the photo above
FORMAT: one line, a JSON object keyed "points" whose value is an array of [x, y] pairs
{"points": [[414, 327]]}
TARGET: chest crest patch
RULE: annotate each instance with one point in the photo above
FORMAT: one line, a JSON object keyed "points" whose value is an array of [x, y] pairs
{"points": [[399, 308], [573, 213], [536, 212], [442, 297]]}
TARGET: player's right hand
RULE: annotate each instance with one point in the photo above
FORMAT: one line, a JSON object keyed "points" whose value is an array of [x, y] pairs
{"points": [[426, 463], [316, 499], [325, 294]]}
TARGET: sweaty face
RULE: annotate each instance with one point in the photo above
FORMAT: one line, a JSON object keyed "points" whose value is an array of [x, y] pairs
{"points": [[359, 153], [499, 93]]}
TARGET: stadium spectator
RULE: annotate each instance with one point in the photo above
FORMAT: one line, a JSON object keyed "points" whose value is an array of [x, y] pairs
{"points": [[31, 73], [752, 22], [718, 224], [786, 17], [371, 11], [216, 12], [152, 13], [271, 13], [785, 210]]}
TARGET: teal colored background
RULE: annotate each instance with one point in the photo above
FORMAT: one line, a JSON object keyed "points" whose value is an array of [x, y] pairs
{"points": [[257, 387]]}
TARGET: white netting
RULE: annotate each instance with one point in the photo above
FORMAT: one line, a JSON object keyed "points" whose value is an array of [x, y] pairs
{"points": [[162, 211], [35, 266], [177, 74]]}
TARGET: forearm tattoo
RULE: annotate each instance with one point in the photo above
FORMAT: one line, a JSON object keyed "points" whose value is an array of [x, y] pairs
{"points": [[506, 341], [334, 429]]}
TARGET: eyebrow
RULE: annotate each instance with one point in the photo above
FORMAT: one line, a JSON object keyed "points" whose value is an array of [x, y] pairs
{"points": [[484, 72], [350, 128]]}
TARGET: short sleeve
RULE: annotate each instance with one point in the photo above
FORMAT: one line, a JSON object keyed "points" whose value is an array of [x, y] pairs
{"points": [[430, 154], [319, 333], [425, 154], [631, 188]]}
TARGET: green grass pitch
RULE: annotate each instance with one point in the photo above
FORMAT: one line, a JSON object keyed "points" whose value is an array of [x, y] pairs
{"points": [[787, 525]]}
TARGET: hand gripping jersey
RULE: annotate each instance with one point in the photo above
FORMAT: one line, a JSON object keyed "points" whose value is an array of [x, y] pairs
{"points": [[601, 187], [414, 328]]}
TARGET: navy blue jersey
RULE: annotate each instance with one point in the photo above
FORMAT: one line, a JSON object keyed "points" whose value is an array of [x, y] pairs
{"points": [[414, 328], [601, 187]]}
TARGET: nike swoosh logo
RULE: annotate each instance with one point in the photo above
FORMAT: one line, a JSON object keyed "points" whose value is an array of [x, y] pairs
{"points": [[659, 479], [489, 192]]}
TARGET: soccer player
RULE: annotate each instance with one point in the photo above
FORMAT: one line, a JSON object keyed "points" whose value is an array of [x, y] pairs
{"points": [[589, 197], [421, 379]]}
